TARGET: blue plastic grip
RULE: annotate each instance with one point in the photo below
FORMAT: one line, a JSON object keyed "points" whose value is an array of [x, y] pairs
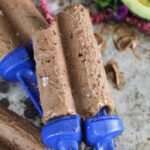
{"points": [[107, 144], [63, 133], [101, 129], [29, 81], [15, 61], [67, 145], [19, 65]]}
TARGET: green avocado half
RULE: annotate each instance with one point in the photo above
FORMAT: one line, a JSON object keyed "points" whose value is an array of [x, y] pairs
{"points": [[139, 7]]}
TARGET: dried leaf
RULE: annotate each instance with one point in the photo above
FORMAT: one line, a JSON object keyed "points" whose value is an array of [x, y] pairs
{"points": [[127, 41], [113, 74], [101, 42]]}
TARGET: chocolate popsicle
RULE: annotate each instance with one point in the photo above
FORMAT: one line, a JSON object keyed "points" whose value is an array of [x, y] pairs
{"points": [[87, 75], [17, 133], [23, 16], [55, 93], [8, 39]]}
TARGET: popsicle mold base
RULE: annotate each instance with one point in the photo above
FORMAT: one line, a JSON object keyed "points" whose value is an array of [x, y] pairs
{"points": [[101, 129], [63, 133]]}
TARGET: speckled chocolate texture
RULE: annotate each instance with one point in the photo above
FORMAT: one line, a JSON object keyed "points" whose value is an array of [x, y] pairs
{"points": [[55, 93], [87, 75], [8, 38], [24, 17], [17, 133]]}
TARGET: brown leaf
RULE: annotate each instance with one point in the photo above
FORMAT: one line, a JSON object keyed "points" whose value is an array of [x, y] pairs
{"points": [[127, 41], [101, 42], [113, 74]]}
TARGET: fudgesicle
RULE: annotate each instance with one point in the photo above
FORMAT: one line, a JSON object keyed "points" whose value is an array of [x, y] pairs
{"points": [[87, 75], [23, 16], [55, 93], [8, 38], [17, 133]]}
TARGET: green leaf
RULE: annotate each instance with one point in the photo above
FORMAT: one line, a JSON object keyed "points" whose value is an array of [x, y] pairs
{"points": [[116, 112], [103, 3], [115, 4]]}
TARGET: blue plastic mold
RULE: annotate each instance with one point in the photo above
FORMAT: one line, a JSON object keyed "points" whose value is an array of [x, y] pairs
{"points": [[29, 81], [63, 133], [19, 66], [102, 129]]}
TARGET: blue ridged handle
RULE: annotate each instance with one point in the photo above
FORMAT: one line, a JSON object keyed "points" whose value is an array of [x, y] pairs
{"points": [[105, 145], [67, 145], [101, 129], [29, 81], [63, 133]]}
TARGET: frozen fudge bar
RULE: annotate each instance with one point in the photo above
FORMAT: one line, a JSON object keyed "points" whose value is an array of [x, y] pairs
{"points": [[17, 133], [87, 75], [24, 17], [55, 93], [8, 39]]}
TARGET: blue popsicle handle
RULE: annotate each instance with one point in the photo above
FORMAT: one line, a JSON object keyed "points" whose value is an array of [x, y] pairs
{"points": [[68, 144], [19, 65], [63, 133], [101, 129], [29, 81], [107, 145]]}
